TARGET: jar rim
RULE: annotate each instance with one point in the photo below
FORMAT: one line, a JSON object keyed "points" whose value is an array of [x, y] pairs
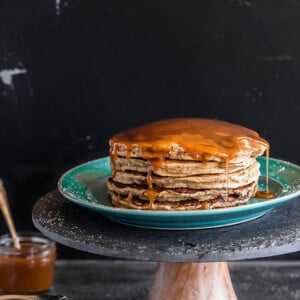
{"points": [[43, 245]]}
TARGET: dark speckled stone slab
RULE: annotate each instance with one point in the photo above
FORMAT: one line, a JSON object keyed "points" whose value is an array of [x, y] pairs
{"points": [[277, 232]]}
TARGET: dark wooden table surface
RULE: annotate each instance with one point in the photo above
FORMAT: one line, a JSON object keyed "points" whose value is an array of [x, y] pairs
{"points": [[128, 280]]}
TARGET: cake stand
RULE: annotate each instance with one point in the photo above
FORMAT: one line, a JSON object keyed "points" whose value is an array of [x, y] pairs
{"points": [[191, 264]]}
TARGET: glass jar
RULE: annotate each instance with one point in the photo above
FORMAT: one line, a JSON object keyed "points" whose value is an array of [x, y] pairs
{"points": [[28, 270]]}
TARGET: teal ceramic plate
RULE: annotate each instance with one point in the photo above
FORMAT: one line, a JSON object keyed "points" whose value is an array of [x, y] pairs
{"points": [[85, 185]]}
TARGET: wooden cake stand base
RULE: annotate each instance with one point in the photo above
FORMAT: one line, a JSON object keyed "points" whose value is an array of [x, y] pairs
{"points": [[191, 281]]}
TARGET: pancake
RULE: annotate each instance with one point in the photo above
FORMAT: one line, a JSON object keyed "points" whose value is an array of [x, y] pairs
{"points": [[175, 195], [188, 204], [203, 181], [184, 164], [179, 152], [178, 168]]}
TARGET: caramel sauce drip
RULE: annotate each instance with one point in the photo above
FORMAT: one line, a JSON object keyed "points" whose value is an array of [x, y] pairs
{"points": [[264, 195], [267, 168], [149, 177], [151, 194], [128, 200], [155, 163], [204, 205], [113, 156], [201, 139], [118, 199], [227, 178]]}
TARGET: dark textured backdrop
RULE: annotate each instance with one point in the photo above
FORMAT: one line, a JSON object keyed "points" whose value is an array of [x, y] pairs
{"points": [[72, 73]]}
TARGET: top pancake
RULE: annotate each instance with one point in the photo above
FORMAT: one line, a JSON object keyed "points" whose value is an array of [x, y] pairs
{"points": [[188, 139]]}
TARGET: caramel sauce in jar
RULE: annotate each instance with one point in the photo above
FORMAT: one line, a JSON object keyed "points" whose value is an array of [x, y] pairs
{"points": [[28, 270]]}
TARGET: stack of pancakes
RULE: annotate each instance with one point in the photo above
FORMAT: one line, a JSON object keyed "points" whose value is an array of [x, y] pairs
{"points": [[184, 164]]}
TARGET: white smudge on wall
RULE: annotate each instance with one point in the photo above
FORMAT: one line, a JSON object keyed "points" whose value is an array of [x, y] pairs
{"points": [[6, 75], [57, 7]]}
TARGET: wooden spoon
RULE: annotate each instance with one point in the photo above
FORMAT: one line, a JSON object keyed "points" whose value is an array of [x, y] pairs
{"points": [[19, 297], [6, 213]]}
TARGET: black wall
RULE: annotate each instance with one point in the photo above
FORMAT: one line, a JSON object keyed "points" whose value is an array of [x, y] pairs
{"points": [[73, 73]]}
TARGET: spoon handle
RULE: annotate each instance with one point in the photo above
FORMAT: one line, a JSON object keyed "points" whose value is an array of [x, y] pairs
{"points": [[6, 213]]}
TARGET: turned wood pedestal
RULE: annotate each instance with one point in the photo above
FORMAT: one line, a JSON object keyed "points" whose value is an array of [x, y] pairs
{"points": [[191, 264], [188, 281]]}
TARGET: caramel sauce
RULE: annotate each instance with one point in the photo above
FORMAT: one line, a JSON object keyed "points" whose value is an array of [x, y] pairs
{"points": [[155, 163], [128, 200], [113, 156], [201, 139], [149, 177], [204, 205], [264, 195], [118, 199], [267, 170], [151, 194], [25, 271], [227, 178]]}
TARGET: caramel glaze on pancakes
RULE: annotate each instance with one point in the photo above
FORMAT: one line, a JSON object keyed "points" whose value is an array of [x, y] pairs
{"points": [[183, 141]]}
